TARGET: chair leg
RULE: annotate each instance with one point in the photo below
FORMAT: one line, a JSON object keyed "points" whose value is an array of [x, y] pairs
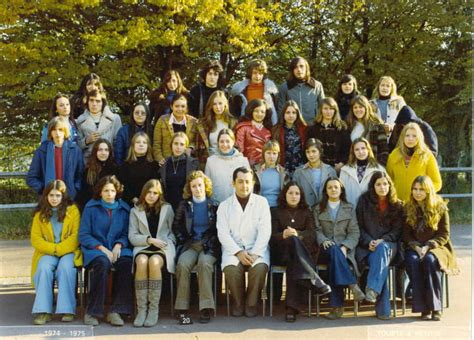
{"points": [[215, 290], [446, 276], [309, 302], [317, 305], [172, 295], [271, 292], [393, 284], [227, 296], [404, 301]]}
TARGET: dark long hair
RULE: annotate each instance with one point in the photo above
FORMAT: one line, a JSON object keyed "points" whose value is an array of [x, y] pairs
{"points": [[254, 103], [282, 203], [392, 197], [345, 79], [94, 166], [44, 208], [324, 201]]}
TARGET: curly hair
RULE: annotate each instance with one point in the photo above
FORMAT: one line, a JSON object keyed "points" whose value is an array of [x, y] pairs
{"points": [[432, 209], [44, 208], [142, 204], [187, 193], [282, 203], [103, 182]]}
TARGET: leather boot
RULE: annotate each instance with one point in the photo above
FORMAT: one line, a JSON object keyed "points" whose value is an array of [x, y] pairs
{"points": [[141, 294], [154, 295], [321, 287]]}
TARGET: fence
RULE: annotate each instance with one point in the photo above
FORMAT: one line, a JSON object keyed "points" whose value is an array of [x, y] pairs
{"points": [[19, 174]]}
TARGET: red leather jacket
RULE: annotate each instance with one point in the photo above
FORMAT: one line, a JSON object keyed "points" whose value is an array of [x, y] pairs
{"points": [[250, 140]]}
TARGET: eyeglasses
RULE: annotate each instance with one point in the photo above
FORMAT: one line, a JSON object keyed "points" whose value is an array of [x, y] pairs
{"points": [[140, 113]]}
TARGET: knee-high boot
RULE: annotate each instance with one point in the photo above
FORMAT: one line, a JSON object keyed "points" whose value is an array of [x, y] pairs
{"points": [[154, 295], [141, 294]]}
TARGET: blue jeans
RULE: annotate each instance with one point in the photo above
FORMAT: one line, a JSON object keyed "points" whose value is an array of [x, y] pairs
{"points": [[425, 276], [122, 288], [339, 275], [379, 261], [62, 270]]}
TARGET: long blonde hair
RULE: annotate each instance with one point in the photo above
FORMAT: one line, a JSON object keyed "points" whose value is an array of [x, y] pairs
{"points": [[420, 148], [132, 156], [393, 90], [143, 205], [433, 207], [369, 117], [338, 123]]}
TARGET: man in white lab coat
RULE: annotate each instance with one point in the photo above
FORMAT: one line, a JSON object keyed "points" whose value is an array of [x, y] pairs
{"points": [[244, 230]]}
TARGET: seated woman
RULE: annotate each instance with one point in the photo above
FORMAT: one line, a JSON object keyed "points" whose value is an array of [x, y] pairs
{"points": [[104, 242], [195, 229], [337, 234], [101, 163], [429, 249], [271, 175], [139, 167], [54, 236], [56, 158], [150, 234], [176, 169], [380, 216], [293, 245]]}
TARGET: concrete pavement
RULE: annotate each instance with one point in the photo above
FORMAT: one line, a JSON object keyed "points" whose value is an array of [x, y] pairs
{"points": [[16, 299]]}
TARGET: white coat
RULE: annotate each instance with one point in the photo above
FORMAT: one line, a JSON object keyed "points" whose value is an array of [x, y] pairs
{"points": [[138, 231], [248, 230], [354, 189]]}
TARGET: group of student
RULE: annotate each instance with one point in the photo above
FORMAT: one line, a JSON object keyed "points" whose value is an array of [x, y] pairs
{"points": [[275, 175]]}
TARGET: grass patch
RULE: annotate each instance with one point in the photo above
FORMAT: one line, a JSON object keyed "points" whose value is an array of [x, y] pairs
{"points": [[15, 224]]}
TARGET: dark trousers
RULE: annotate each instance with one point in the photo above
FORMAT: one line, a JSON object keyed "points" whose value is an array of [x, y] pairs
{"points": [[379, 261], [299, 270], [425, 277], [339, 274], [122, 287]]}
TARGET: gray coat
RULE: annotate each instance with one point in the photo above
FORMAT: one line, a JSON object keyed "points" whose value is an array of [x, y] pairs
{"points": [[303, 177], [308, 96], [138, 232], [344, 231]]}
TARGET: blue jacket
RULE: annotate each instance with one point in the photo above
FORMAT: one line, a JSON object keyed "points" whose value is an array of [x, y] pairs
{"points": [[96, 229], [122, 143], [73, 167]]}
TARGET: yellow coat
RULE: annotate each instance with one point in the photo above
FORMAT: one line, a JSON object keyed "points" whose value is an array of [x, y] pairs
{"points": [[42, 238], [404, 176]]}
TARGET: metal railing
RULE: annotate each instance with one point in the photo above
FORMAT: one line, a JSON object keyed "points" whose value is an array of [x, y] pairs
{"points": [[21, 174]]}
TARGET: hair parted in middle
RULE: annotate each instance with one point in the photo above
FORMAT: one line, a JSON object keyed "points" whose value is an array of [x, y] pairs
{"points": [[209, 119], [94, 165], [421, 149], [292, 66], [337, 122], [324, 201], [187, 193], [282, 202], [214, 65], [369, 117], [180, 134], [372, 161], [103, 182], [392, 197], [432, 209], [44, 208], [131, 155], [299, 116], [58, 123], [143, 205], [251, 106]]}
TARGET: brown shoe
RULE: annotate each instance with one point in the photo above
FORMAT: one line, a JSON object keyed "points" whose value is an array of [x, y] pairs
{"points": [[335, 313]]}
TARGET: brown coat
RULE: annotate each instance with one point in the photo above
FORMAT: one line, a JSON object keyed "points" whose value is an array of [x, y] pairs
{"points": [[438, 241], [164, 133], [344, 231], [304, 224]]}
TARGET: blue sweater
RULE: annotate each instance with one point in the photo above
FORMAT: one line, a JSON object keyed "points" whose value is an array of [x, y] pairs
{"points": [[200, 219]]}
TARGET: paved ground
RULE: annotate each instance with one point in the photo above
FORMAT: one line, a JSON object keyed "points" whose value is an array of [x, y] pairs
{"points": [[16, 298]]}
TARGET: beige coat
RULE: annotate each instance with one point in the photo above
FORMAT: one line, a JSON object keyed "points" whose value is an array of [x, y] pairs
{"points": [[344, 231], [138, 232]]}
